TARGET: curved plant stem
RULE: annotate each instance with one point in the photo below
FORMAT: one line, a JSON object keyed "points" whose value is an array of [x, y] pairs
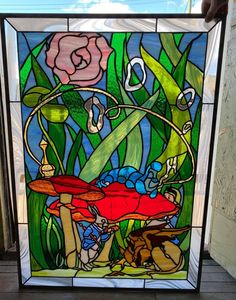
{"points": [[49, 97], [52, 91], [50, 141], [177, 130], [29, 120]]}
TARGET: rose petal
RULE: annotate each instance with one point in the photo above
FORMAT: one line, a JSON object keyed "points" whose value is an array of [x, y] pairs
{"points": [[67, 46], [54, 47], [93, 70], [53, 50], [84, 54], [89, 34], [64, 78], [106, 51], [76, 59], [87, 82]]}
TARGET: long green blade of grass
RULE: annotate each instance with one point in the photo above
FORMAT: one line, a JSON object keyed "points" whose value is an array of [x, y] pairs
{"points": [[36, 202], [175, 145], [73, 154], [114, 76], [157, 139], [142, 95], [103, 152], [81, 154], [55, 131], [193, 74], [134, 149], [26, 68], [75, 104]]}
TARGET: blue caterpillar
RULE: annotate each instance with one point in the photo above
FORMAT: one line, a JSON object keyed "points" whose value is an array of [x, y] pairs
{"points": [[146, 183]]}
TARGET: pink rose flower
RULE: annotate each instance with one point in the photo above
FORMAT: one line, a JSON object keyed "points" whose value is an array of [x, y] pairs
{"points": [[78, 58]]}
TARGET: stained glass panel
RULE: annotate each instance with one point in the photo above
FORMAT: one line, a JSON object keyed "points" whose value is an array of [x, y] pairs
{"points": [[111, 127]]}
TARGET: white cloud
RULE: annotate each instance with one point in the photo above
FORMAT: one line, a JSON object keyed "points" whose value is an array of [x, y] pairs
{"points": [[99, 6]]}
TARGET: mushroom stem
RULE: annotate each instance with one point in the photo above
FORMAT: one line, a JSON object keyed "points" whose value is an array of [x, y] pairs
{"points": [[77, 238], [67, 226]]}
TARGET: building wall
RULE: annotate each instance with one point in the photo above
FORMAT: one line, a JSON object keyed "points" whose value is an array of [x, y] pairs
{"points": [[223, 226]]}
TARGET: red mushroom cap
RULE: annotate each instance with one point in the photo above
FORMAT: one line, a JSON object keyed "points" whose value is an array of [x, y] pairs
{"points": [[63, 184], [120, 203]]}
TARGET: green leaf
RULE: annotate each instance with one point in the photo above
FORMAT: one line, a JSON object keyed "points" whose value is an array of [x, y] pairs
{"points": [[156, 146], [74, 153], [41, 77], [115, 65], [75, 104], [178, 37], [80, 152], [56, 113], [26, 67], [27, 180], [169, 85], [34, 95], [161, 134], [103, 152], [179, 76], [175, 144], [53, 238], [56, 132], [48, 239], [179, 73], [196, 127], [36, 204], [141, 96], [34, 264], [83, 158], [193, 74], [165, 61], [115, 75], [186, 211], [185, 216], [45, 242], [184, 246], [133, 156]]}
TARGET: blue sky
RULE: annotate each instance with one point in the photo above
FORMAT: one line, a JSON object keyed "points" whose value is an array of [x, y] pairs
{"points": [[97, 6]]}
